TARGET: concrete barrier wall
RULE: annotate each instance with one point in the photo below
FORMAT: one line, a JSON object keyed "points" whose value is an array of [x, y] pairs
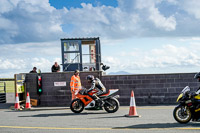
{"points": [[148, 88], [151, 88], [54, 95]]}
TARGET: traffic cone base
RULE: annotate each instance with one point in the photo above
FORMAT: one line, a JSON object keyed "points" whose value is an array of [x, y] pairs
{"points": [[132, 109], [133, 115]]}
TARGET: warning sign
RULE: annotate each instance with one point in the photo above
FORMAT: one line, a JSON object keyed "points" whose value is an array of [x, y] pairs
{"points": [[59, 83]]}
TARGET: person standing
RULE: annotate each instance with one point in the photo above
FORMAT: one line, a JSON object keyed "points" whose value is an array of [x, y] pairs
{"points": [[55, 67], [34, 70], [75, 83]]}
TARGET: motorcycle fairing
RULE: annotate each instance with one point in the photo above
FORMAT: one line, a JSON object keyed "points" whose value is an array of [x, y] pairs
{"points": [[197, 110], [92, 92], [86, 99], [197, 97], [111, 91], [179, 97], [91, 104]]}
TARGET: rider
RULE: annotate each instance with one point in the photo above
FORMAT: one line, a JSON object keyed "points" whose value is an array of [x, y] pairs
{"points": [[197, 76], [96, 84]]}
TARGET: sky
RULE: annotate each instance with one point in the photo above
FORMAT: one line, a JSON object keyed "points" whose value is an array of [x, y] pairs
{"points": [[137, 36]]}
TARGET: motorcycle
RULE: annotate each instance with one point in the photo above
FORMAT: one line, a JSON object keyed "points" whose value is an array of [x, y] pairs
{"points": [[84, 100], [189, 106]]}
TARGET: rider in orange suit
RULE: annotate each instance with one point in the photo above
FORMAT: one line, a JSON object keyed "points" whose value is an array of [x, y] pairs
{"points": [[75, 83]]}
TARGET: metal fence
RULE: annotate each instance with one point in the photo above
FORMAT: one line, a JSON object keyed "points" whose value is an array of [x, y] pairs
{"points": [[2, 92], [10, 84], [6, 86]]}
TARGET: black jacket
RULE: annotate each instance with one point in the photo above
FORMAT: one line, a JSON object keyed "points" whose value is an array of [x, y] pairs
{"points": [[55, 69]]}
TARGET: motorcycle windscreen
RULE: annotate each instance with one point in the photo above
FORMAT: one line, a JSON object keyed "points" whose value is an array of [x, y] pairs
{"points": [[186, 89]]}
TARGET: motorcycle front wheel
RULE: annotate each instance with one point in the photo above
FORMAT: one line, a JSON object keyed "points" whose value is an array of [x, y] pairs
{"points": [[182, 114], [111, 105], [77, 106]]}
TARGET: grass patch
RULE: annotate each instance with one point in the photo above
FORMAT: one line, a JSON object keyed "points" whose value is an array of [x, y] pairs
{"points": [[10, 86]]}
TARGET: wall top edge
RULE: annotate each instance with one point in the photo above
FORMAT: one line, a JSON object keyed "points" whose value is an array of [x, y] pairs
{"points": [[153, 74], [63, 72], [113, 75]]}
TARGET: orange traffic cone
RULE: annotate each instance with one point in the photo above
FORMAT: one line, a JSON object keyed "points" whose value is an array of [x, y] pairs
{"points": [[132, 110], [17, 106], [28, 105]]}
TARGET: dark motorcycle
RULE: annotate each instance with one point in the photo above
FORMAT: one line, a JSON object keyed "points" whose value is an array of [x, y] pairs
{"points": [[189, 106]]}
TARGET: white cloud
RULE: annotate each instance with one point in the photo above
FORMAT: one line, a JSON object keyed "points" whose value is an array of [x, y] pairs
{"points": [[192, 7], [36, 21], [173, 1], [29, 21], [31, 49], [42, 64], [24, 23], [5, 6], [16, 65], [111, 60], [136, 59], [167, 57], [154, 15], [6, 24], [12, 64], [162, 22], [190, 39], [21, 58], [100, 21], [34, 5]]}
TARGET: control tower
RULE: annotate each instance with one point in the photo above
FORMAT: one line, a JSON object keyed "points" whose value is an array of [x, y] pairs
{"points": [[83, 54]]}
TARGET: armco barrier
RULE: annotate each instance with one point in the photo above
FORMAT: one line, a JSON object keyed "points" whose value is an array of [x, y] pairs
{"points": [[148, 88]]}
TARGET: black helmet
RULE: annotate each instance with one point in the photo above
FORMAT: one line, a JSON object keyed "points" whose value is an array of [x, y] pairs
{"points": [[90, 77], [197, 75]]}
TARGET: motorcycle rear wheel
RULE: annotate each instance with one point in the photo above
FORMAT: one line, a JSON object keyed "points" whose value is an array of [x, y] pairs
{"points": [[181, 116], [113, 107], [77, 106]]}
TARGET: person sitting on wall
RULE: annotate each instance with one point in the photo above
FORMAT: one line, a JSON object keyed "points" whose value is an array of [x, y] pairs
{"points": [[55, 67], [34, 70]]}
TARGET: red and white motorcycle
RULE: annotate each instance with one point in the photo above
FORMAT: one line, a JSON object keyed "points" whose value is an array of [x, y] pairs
{"points": [[84, 100]]}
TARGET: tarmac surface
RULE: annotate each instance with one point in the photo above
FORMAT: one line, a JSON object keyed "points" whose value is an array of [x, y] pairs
{"points": [[60, 119]]}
